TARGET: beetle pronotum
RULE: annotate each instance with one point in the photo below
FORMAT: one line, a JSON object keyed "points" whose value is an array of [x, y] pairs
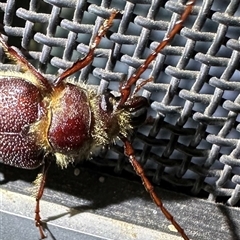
{"points": [[40, 120]]}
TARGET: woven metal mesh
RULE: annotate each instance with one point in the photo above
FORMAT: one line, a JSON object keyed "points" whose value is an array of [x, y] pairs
{"points": [[192, 139]]}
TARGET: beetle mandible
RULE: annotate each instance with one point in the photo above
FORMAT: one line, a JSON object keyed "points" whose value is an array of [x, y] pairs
{"points": [[66, 120]]}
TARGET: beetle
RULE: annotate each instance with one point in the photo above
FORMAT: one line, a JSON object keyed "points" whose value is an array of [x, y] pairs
{"points": [[40, 120]]}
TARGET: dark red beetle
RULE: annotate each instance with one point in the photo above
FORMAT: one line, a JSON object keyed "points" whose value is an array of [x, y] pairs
{"points": [[66, 120]]}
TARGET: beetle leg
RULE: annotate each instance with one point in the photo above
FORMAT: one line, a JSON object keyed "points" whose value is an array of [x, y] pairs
{"points": [[40, 181], [125, 89], [25, 64], [140, 85], [129, 152], [89, 57]]}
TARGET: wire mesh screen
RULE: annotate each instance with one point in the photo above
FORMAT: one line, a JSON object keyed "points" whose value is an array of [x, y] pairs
{"points": [[190, 137]]}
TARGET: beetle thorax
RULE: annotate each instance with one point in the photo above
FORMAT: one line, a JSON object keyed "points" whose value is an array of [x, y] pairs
{"points": [[77, 121]]}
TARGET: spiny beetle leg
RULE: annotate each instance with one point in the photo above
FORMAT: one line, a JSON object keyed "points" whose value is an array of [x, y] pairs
{"points": [[40, 183], [125, 89], [89, 57], [26, 65], [129, 152]]}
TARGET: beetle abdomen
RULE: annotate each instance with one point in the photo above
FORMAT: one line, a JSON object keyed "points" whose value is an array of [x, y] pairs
{"points": [[19, 108]]}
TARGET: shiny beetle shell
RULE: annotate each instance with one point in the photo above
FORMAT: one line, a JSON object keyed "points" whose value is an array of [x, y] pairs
{"points": [[20, 106]]}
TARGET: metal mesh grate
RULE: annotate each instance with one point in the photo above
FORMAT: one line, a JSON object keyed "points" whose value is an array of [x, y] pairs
{"points": [[193, 139]]}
